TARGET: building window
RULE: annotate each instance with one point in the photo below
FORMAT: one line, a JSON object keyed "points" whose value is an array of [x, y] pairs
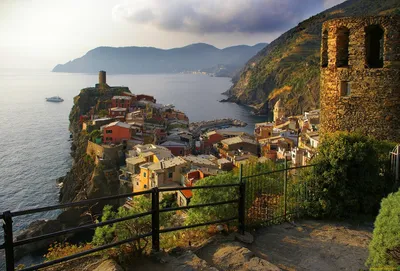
{"points": [[345, 89], [342, 47], [324, 56], [170, 174], [137, 183], [144, 186], [374, 46], [180, 152], [144, 174], [108, 131]]}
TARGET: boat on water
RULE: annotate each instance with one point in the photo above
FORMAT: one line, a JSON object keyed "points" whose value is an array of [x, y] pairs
{"points": [[55, 99]]}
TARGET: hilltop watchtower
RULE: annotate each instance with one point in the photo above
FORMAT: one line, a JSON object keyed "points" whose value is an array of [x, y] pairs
{"points": [[102, 77], [360, 76], [102, 81]]}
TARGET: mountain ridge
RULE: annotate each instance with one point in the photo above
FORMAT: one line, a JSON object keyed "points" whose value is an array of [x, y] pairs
{"points": [[139, 60]]}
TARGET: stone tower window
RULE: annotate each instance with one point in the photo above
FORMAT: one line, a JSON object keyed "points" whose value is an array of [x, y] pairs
{"points": [[342, 47], [374, 46], [324, 56], [345, 89]]}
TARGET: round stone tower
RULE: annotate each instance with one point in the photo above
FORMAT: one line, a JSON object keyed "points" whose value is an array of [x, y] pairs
{"points": [[102, 77], [360, 76]]}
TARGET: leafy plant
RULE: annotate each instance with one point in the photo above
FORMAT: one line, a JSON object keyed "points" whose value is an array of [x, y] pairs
{"points": [[384, 249], [351, 176]]}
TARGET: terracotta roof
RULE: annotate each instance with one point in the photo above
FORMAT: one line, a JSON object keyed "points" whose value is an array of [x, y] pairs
{"points": [[186, 193]]}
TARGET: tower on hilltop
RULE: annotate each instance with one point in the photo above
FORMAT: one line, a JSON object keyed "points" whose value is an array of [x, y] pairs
{"points": [[360, 76], [102, 81]]}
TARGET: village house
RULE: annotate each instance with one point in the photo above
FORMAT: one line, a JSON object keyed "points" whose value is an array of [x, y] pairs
{"points": [[177, 148], [118, 113], [263, 130], [163, 173], [184, 196], [91, 125], [116, 132], [144, 97], [209, 139], [225, 164], [121, 101], [200, 162], [239, 144]]}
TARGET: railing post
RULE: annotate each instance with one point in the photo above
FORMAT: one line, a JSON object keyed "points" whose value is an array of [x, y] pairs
{"points": [[8, 240], [242, 202], [285, 189], [155, 219]]}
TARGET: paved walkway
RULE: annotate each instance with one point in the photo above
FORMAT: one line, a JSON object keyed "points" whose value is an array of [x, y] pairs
{"points": [[313, 245]]}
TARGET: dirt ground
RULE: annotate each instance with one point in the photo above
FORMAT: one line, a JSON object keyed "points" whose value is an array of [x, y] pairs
{"points": [[314, 245]]}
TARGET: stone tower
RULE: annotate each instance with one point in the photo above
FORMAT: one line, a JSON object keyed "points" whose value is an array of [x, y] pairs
{"points": [[279, 110], [360, 76], [102, 77]]}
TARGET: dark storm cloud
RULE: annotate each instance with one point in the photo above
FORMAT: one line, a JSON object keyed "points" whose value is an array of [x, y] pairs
{"points": [[213, 16]]}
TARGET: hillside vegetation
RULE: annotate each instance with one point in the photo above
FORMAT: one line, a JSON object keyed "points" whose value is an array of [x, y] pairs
{"points": [[288, 68]]}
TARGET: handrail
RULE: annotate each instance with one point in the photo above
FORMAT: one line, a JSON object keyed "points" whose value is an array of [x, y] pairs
{"points": [[9, 244], [275, 171], [78, 203]]}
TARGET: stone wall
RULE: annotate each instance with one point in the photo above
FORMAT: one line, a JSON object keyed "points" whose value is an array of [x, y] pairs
{"points": [[373, 105]]}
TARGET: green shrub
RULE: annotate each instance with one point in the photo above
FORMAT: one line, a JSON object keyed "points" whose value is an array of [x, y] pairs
{"points": [[202, 196], [384, 249], [351, 176]]}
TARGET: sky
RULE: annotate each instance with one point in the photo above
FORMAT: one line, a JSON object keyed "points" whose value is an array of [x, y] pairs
{"points": [[38, 34]]}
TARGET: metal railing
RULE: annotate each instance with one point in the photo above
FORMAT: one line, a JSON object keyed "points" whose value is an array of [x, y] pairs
{"points": [[252, 208], [10, 244]]}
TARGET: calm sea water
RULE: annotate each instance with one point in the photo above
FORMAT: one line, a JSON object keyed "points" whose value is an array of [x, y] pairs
{"points": [[34, 146]]}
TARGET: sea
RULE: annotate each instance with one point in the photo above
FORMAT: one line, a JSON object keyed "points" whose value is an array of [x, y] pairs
{"points": [[34, 136]]}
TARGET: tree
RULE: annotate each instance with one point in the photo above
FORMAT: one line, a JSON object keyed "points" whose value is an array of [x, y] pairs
{"points": [[351, 176], [201, 196], [384, 249], [128, 228]]}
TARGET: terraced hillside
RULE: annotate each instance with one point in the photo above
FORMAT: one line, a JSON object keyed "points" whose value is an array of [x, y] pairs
{"points": [[288, 68]]}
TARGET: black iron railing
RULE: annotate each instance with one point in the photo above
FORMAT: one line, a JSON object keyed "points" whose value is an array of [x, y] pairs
{"points": [[251, 189]]}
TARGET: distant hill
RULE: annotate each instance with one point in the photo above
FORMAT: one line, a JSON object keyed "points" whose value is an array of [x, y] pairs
{"points": [[194, 57], [288, 68]]}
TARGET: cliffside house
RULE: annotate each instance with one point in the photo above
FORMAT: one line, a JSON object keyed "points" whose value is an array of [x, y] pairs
{"points": [[121, 101], [144, 97], [116, 132], [118, 113]]}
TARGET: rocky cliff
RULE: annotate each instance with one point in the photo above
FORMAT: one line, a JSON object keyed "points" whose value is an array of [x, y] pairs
{"points": [[85, 180], [288, 68]]}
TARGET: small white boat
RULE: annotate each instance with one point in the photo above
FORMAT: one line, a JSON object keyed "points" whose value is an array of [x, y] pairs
{"points": [[55, 99]]}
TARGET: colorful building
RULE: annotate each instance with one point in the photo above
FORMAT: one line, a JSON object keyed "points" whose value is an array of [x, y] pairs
{"points": [[177, 148], [121, 101], [116, 132]]}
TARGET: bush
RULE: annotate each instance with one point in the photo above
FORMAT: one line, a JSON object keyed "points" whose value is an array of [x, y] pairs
{"points": [[201, 196], [351, 176], [384, 249]]}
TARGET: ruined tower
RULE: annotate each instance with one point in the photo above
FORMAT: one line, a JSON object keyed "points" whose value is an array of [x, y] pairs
{"points": [[360, 76]]}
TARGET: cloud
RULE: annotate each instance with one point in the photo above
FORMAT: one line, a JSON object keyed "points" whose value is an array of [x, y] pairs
{"points": [[218, 16]]}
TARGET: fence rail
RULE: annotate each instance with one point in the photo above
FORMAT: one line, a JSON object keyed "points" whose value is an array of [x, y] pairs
{"points": [[262, 197]]}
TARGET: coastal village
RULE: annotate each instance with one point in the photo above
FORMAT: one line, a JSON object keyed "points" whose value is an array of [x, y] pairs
{"points": [[155, 145]]}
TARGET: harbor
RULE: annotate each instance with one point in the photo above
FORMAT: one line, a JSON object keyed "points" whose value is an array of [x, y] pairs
{"points": [[197, 127]]}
